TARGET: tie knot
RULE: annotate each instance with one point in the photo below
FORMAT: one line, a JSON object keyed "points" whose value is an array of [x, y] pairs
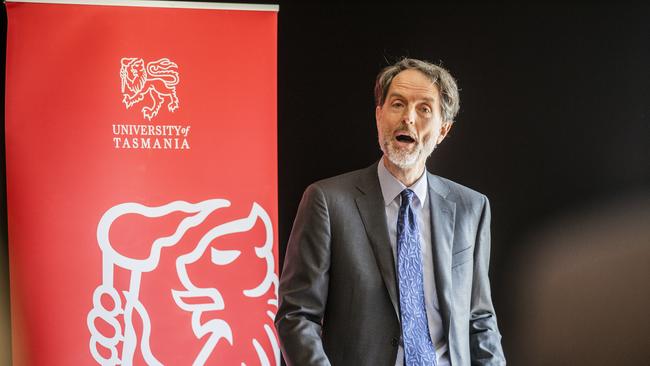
{"points": [[407, 196]]}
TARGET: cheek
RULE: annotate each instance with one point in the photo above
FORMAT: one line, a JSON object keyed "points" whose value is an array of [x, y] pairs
{"points": [[428, 139], [383, 129], [432, 128], [427, 133]]}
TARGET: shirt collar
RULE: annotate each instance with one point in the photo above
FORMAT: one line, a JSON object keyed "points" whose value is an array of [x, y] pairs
{"points": [[391, 187]]}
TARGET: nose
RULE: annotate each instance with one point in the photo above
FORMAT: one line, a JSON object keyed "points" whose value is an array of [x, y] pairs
{"points": [[409, 115]]}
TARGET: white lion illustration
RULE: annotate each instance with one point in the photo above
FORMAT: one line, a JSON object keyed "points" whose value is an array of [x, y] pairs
{"points": [[158, 79], [211, 330]]}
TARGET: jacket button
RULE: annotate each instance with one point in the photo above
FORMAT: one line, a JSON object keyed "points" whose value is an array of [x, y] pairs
{"points": [[394, 341]]}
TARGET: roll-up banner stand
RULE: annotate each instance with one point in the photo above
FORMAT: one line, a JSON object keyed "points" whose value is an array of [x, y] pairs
{"points": [[141, 152]]}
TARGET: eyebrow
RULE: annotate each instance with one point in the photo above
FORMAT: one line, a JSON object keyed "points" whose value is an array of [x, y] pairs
{"points": [[398, 95]]}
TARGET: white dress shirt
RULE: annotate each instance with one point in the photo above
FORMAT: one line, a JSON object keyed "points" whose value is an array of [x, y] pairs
{"points": [[391, 189]]}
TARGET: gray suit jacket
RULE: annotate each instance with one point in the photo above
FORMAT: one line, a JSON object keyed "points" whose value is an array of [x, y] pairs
{"points": [[339, 302]]}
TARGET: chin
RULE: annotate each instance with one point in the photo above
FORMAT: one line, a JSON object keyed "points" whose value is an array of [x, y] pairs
{"points": [[404, 160]]}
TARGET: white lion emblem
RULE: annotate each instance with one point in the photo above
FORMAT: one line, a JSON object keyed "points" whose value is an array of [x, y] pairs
{"points": [[158, 79], [230, 314]]}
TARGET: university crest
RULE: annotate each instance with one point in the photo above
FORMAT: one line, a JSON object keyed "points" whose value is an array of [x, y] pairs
{"points": [[156, 80]]}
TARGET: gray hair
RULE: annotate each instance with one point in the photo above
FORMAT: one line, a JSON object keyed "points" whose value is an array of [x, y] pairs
{"points": [[441, 78]]}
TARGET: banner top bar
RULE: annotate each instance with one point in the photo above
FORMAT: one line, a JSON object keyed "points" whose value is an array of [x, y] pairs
{"points": [[159, 4]]}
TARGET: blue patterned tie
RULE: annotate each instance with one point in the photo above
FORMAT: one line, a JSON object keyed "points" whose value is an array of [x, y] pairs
{"points": [[418, 348]]}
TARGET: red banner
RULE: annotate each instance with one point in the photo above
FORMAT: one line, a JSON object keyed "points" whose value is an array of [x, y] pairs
{"points": [[142, 183]]}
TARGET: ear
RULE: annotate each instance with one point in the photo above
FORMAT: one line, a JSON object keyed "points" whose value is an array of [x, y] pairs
{"points": [[377, 115], [444, 130]]}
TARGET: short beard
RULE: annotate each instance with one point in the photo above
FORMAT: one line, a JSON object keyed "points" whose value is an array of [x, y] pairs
{"points": [[406, 159]]}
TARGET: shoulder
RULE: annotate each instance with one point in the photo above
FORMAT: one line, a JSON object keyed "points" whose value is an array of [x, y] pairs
{"points": [[346, 183], [342, 190], [457, 192]]}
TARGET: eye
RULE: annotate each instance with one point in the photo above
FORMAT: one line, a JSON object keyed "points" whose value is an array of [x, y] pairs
{"points": [[223, 257], [397, 104]]}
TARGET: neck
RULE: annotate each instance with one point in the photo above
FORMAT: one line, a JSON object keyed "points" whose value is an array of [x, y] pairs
{"points": [[407, 176]]}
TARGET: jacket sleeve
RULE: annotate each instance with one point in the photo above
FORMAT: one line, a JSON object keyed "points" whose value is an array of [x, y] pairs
{"points": [[485, 339], [304, 283]]}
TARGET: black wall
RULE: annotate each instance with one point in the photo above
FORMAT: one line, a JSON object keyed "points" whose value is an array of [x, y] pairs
{"points": [[554, 109], [554, 112]]}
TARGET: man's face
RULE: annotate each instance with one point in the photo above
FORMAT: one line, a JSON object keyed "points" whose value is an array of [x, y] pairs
{"points": [[409, 123]]}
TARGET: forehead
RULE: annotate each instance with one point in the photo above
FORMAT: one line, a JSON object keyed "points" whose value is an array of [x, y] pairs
{"points": [[413, 83]]}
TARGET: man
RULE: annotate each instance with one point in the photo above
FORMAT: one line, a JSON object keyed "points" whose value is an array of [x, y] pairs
{"points": [[388, 265]]}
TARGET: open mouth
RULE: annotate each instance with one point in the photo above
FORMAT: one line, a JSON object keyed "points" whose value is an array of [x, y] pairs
{"points": [[404, 138]]}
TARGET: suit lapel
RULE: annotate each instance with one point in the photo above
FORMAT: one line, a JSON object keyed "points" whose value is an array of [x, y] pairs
{"points": [[373, 213], [443, 213]]}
